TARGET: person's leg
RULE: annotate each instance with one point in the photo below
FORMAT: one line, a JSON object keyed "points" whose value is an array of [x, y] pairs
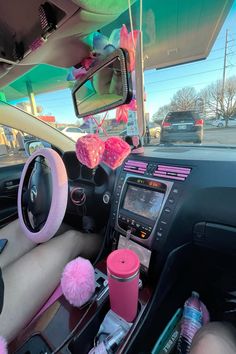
{"points": [[18, 244], [32, 278], [215, 338]]}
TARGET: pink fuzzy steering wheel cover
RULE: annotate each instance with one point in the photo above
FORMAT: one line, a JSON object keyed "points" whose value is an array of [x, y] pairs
{"points": [[59, 196]]}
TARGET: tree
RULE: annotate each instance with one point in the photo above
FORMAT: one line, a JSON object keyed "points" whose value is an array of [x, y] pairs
{"points": [[184, 99], [221, 100], [161, 113]]}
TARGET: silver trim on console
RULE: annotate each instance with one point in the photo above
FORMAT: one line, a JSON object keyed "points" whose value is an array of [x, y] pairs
{"points": [[146, 242]]}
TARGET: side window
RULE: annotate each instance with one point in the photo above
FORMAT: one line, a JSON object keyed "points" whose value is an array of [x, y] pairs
{"points": [[13, 146]]}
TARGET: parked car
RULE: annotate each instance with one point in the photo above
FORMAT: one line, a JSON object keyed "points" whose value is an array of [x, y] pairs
{"points": [[182, 126], [221, 123], [73, 132], [155, 130]]}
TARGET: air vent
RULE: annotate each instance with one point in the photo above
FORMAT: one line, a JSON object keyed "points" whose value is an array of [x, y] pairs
{"points": [[172, 172], [135, 166]]}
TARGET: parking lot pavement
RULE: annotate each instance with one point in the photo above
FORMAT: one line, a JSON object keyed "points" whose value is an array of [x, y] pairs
{"points": [[213, 136], [220, 136], [9, 160]]}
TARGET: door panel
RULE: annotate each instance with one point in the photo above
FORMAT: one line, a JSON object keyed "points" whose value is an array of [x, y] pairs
{"points": [[9, 183]]}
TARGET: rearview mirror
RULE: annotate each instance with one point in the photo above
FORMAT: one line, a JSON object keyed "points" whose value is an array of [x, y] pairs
{"points": [[106, 86]]}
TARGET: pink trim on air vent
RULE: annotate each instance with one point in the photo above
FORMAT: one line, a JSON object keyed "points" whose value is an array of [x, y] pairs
{"points": [[136, 166], [172, 172]]}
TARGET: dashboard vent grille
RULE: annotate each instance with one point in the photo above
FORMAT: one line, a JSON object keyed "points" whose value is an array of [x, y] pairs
{"points": [[172, 172], [136, 166]]}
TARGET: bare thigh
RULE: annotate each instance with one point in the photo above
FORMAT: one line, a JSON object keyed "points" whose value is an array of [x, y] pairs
{"points": [[31, 279], [18, 244], [215, 338]]}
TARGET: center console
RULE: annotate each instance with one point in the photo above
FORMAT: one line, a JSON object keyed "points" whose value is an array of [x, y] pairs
{"points": [[141, 203], [146, 196]]}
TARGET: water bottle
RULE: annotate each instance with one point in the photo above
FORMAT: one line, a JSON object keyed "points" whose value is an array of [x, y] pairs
{"points": [[110, 343], [123, 278], [194, 316]]}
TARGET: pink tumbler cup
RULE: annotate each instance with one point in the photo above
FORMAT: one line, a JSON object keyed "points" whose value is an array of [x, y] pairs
{"points": [[123, 277]]}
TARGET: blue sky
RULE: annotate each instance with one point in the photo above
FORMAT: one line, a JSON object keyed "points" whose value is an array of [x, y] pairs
{"points": [[161, 85]]}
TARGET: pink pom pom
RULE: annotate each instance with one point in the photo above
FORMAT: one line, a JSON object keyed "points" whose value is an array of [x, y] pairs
{"points": [[116, 151], [78, 281], [89, 150], [3, 346]]}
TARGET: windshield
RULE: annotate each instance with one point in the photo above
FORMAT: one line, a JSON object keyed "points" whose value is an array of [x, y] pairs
{"points": [[193, 103]]}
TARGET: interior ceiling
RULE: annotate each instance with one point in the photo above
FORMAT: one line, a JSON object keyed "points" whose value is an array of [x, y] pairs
{"points": [[174, 32]]}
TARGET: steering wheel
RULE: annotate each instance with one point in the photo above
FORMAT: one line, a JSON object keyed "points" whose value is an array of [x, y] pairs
{"points": [[42, 195]]}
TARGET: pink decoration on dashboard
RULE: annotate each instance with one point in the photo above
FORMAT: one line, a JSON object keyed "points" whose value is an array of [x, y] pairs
{"points": [[122, 114], [88, 62], [122, 111], [135, 141], [3, 346], [89, 150], [116, 151], [132, 106], [128, 41], [78, 281], [78, 74]]}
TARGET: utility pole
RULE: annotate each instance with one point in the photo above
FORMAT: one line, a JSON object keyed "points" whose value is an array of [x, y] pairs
{"points": [[224, 70]]}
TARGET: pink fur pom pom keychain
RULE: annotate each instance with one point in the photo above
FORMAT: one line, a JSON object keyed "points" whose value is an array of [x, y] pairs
{"points": [[78, 281], [3, 346]]}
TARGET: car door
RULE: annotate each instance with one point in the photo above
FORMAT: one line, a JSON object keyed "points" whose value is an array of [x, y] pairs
{"points": [[12, 159]]}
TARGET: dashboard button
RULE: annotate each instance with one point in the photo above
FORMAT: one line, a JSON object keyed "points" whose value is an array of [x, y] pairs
{"points": [[143, 234], [167, 210], [175, 191]]}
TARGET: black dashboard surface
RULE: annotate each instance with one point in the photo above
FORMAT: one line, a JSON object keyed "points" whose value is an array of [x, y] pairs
{"points": [[206, 200], [204, 210]]}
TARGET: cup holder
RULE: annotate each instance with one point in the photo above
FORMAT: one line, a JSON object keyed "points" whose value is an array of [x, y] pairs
{"points": [[35, 345], [85, 340]]}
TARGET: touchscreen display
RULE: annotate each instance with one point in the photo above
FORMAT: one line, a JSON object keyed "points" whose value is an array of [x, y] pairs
{"points": [[144, 202]]}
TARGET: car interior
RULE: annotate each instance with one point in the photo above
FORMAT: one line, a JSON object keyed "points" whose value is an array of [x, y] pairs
{"points": [[172, 205]]}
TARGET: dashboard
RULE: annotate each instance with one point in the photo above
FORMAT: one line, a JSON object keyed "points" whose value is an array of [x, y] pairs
{"points": [[166, 197]]}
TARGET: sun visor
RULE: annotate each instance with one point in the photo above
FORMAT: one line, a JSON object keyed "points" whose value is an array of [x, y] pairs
{"points": [[175, 32], [107, 7], [52, 34]]}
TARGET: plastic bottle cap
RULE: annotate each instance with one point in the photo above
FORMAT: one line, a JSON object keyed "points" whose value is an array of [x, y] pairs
{"points": [[123, 263]]}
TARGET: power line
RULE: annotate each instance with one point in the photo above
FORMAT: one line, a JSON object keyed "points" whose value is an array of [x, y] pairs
{"points": [[176, 88]]}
